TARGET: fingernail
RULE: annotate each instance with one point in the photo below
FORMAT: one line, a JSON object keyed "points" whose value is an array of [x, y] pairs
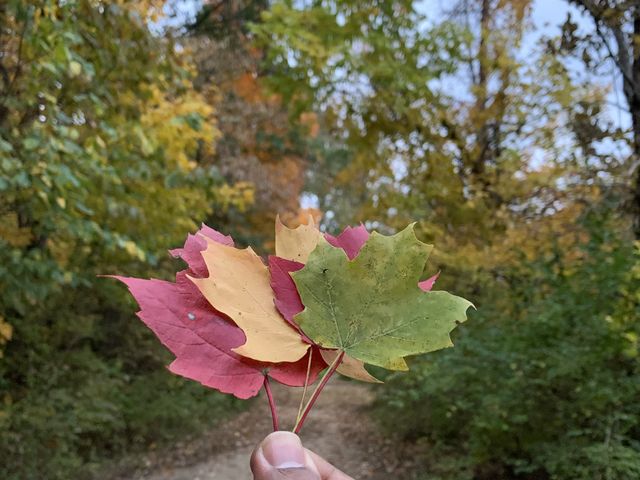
{"points": [[283, 450]]}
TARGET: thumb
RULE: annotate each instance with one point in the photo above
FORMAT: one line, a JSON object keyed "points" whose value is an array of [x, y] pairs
{"points": [[281, 456]]}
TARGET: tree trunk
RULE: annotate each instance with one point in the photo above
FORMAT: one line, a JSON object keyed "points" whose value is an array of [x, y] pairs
{"points": [[634, 108]]}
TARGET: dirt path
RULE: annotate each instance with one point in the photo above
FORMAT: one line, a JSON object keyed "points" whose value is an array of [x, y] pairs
{"points": [[338, 429]]}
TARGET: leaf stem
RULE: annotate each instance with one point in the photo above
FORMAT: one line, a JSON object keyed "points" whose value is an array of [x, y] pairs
{"points": [[272, 403], [306, 386], [316, 393]]}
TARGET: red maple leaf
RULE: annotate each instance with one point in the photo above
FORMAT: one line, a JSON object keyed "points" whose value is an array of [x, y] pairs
{"points": [[202, 338]]}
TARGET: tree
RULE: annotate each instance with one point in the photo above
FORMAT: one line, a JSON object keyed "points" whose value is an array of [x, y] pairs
{"points": [[365, 68], [617, 39], [440, 122], [258, 145], [100, 136], [98, 143]]}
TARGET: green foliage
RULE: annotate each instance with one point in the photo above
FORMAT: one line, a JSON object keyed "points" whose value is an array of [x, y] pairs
{"points": [[63, 432], [100, 133], [369, 55], [372, 70], [544, 382], [96, 146], [86, 383]]}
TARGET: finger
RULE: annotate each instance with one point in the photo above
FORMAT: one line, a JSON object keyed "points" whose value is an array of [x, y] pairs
{"points": [[327, 471], [281, 456]]}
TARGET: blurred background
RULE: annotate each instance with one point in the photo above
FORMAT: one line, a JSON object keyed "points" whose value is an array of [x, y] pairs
{"points": [[509, 129]]}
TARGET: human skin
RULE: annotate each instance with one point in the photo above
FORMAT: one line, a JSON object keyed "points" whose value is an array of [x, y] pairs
{"points": [[281, 456]]}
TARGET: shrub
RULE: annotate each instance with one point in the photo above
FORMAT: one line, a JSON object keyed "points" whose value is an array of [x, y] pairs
{"points": [[546, 389]]}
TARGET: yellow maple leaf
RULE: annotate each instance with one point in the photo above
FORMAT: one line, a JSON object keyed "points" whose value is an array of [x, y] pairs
{"points": [[349, 366], [239, 286], [296, 243]]}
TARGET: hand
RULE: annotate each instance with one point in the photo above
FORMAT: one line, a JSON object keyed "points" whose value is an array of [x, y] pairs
{"points": [[281, 456]]}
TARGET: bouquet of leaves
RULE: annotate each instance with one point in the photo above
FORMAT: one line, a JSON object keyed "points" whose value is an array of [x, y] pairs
{"points": [[322, 303]]}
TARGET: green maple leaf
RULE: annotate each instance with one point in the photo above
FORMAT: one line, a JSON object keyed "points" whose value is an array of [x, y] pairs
{"points": [[371, 307]]}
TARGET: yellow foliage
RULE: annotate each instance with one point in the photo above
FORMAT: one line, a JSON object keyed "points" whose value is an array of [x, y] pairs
{"points": [[624, 319], [241, 290], [170, 123], [296, 243], [6, 332], [239, 195], [61, 250], [150, 10], [12, 233]]}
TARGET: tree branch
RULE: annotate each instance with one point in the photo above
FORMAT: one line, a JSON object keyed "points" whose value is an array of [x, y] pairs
{"points": [[622, 57]]}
